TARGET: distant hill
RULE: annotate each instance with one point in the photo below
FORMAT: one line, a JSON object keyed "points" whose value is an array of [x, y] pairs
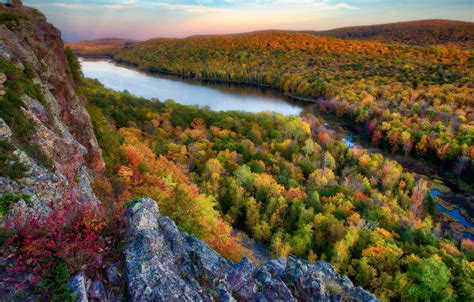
{"points": [[423, 32], [103, 46]]}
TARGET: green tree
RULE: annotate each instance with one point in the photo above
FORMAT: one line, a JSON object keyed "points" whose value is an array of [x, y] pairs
{"points": [[244, 177], [74, 66], [430, 280]]}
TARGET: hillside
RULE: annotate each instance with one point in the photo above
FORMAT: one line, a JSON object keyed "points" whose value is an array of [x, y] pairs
{"points": [[409, 100], [422, 32], [43, 119], [288, 183], [49, 156], [99, 47]]}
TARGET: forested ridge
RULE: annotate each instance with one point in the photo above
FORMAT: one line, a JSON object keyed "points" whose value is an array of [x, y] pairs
{"points": [[287, 183], [422, 32], [409, 100]]}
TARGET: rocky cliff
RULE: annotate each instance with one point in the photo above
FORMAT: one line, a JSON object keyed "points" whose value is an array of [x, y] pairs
{"points": [[164, 264], [60, 155]]}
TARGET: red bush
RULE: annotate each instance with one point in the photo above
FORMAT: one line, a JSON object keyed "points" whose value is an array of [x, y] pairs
{"points": [[68, 235]]}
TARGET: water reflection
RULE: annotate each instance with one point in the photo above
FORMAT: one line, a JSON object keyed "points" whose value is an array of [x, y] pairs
{"points": [[349, 140], [218, 97]]}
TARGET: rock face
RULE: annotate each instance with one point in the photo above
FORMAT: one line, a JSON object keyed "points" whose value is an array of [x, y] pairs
{"points": [[3, 79], [164, 264], [63, 127]]}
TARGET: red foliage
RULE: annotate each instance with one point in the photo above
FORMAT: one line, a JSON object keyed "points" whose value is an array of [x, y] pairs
{"points": [[371, 126], [69, 234], [377, 137], [360, 196], [324, 137]]}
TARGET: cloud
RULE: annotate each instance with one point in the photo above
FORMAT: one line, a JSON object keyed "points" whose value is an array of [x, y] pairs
{"points": [[71, 5], [200, 7], [190, 8], [116, 5], [342, 5], [321, 4]]}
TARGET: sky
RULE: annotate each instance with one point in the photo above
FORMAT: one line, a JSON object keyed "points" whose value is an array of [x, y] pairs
{"points": [[146, 19]]}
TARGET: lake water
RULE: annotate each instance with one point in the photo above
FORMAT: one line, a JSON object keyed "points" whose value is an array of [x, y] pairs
{"points": [[217, 97], [349, 140]]}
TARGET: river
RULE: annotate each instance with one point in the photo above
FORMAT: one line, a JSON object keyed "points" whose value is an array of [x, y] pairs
{"points": [[215, 96]]}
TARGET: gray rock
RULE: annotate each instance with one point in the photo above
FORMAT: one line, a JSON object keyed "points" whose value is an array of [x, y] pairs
{"points": [[5, 131], [97, 291], [115, 297], [113, 275], [164, 264], [160, 265], [3, 79], [78, 286]]}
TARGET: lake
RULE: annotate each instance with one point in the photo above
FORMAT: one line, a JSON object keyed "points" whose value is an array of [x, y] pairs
{"points": [[218, 97]]}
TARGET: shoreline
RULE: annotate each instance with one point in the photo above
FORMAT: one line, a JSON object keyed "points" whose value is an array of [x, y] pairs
{"points": [[152, 71]]}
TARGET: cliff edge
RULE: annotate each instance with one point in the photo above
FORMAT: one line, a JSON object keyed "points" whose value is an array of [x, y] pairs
{"points": [[47, 143]]}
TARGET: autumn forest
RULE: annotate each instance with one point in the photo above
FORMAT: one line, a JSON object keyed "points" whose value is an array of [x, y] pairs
{"points": [[288, 182], [357, 162]]}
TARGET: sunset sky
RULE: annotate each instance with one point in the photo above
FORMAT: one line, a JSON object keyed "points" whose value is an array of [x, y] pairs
{"points": [[145, 19]]}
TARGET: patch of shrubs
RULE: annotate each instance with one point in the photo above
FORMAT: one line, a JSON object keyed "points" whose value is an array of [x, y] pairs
{"points": [[10, 19], [7, 200], [54, 247], [9, 162], [74, 67]]}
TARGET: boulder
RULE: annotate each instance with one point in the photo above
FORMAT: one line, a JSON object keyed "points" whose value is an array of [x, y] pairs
{"points": [[163, 263]]}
